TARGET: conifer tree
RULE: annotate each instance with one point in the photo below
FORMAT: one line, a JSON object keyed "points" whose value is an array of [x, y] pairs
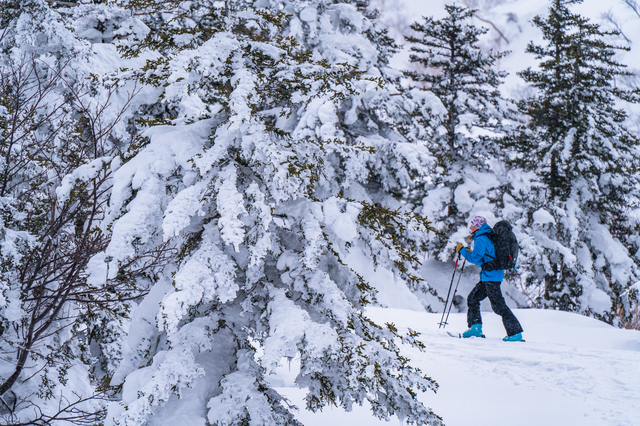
{"points": [[586, 162], [461, 133], [255, 168]]}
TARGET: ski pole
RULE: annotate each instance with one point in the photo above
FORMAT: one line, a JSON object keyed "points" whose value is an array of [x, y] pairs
{"points": [[449, 292], [455, 291]]}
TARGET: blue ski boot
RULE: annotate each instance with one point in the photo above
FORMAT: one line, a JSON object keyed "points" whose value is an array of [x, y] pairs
{"points": [[474, 331], [514, 338]]}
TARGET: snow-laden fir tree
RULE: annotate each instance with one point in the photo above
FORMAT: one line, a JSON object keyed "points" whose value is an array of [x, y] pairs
{"points": [[581, 250], [266, 123], [462, 132]]}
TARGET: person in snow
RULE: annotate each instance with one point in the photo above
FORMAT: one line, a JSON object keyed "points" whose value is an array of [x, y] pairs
{"points": [[489, 285]]}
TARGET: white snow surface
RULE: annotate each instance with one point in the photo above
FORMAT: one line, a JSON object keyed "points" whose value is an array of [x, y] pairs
{"points": [[571, 370]]}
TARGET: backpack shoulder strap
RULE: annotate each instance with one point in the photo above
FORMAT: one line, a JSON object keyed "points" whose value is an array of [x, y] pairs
{"points": [[489, 236]]}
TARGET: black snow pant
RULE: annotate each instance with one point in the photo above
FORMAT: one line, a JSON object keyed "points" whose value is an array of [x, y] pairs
{"points": [[491, 289]]}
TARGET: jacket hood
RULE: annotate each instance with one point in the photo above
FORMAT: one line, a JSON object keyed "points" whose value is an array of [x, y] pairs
{"points": [[484, 229]]}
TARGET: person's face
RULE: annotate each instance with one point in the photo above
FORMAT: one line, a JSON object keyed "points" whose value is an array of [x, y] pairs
{"points": [[472, 228]]}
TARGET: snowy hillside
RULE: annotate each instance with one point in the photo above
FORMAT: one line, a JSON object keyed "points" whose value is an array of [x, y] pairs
{"points": [[571, 370]]}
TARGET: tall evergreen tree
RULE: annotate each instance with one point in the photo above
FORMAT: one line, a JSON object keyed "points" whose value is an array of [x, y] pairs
{"points": [[255, 167], [461, 133], [586, 162]]}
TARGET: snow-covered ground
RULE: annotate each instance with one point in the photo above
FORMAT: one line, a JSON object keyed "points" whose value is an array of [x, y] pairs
{"points": [[572, 370]]}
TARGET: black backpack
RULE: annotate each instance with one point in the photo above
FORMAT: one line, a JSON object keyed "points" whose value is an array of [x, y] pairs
{"points": [[506, 245]]}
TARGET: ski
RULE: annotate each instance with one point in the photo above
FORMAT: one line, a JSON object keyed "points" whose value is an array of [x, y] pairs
{"points": [[459, 336]]}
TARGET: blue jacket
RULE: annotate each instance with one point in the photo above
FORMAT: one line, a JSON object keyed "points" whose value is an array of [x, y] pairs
{"points": [[483, 251]]}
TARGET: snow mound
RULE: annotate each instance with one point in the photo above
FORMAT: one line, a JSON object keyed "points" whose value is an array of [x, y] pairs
{"points": [[572, 370]]}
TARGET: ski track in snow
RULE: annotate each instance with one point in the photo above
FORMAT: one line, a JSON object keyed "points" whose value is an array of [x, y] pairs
{"points": [[572, 370]]}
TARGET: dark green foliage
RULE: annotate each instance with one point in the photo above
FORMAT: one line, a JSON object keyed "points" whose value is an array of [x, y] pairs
{"points": [[576, 132], [460, 74], [462, 135], [584, 157]]}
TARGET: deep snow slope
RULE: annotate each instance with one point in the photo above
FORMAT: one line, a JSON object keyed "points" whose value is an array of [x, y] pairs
{"points": [[572, 370]]}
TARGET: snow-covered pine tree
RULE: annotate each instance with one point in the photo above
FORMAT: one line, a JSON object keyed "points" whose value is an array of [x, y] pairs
{"points": [[586, 161], [462, 133], [256, 169]]}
